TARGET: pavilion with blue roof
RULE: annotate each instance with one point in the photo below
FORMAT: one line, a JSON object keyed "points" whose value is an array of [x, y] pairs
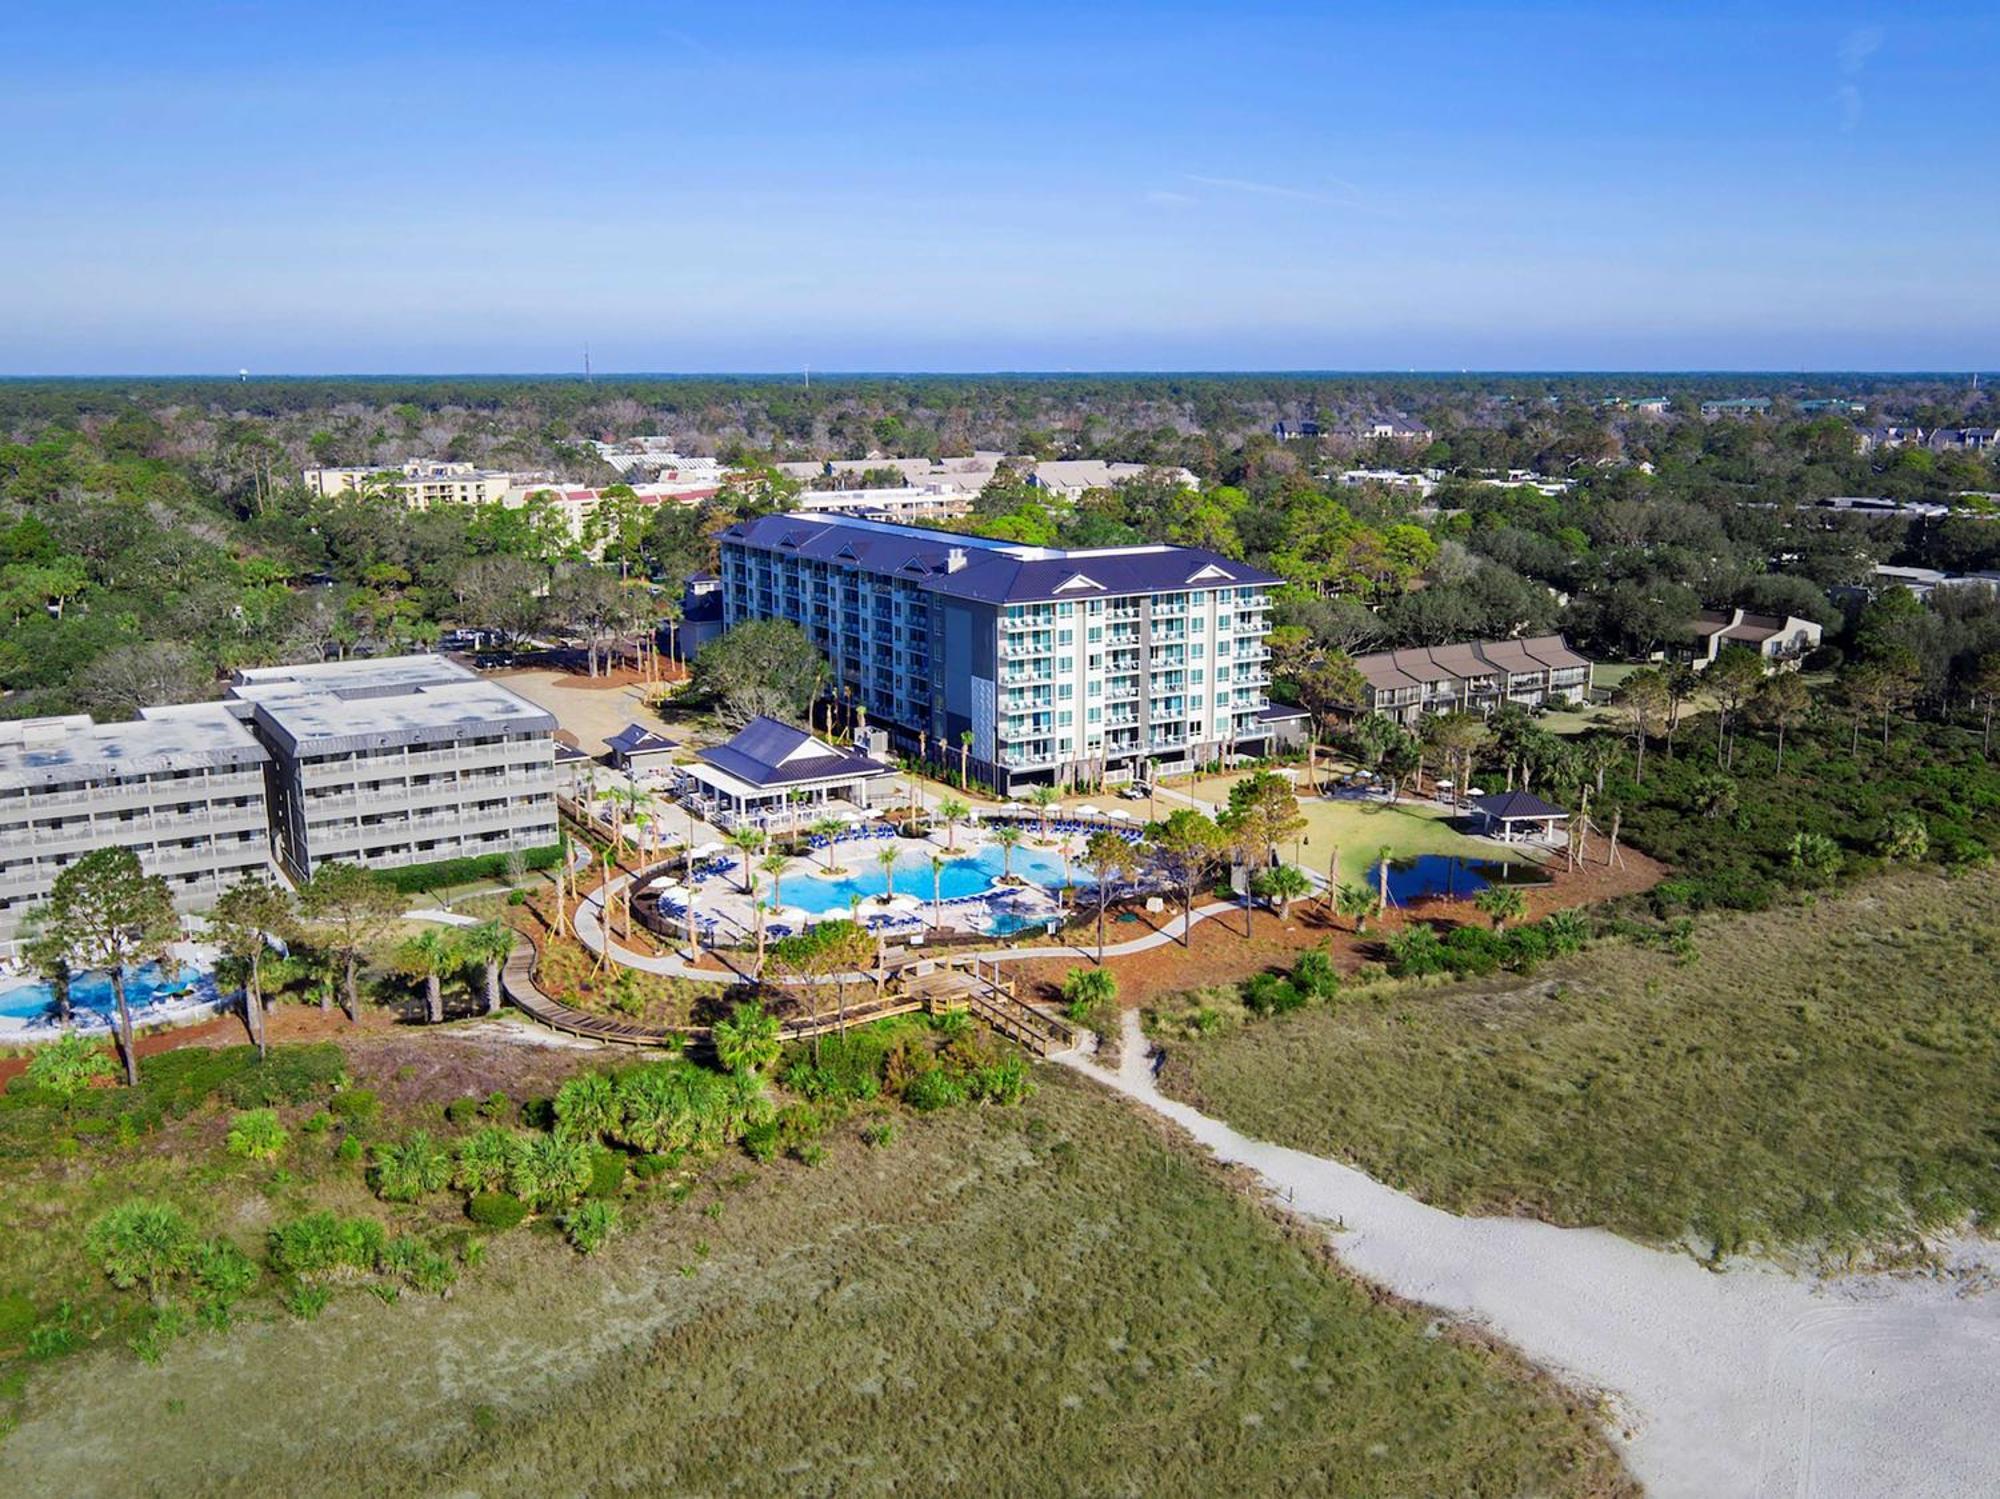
{"points": [[772, 767]]}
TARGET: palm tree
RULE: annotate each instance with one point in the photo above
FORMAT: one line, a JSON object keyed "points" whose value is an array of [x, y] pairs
{"points": [[747, 1041], [430, 955], [1282, 884], [1357, 904], [1008, 837], [348, 908], [953, 811], [774, 864], [1044, 799], [887, 860], [964, 759], [748, 841], [937, 890], [828, 828], [1501, 904], [756, 919], [489, 945]]}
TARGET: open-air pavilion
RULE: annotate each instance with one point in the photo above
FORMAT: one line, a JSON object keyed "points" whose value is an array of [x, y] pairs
{"points": [[1513, 815], [773, 771]]}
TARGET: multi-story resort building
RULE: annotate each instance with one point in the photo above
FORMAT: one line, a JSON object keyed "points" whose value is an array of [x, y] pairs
{"points": [[1476, 677], [399, 761], [1059, 665], [420, 483], [183, 787]]}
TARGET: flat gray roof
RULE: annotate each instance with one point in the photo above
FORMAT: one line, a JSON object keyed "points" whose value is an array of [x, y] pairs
{"points": [[339, 707], [191, 736]]}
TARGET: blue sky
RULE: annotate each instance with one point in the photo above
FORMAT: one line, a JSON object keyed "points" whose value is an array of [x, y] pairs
{"points": [[194, 187]]}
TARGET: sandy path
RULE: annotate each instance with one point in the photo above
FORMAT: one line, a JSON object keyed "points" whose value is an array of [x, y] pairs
{"points": [[1752, 1382]]}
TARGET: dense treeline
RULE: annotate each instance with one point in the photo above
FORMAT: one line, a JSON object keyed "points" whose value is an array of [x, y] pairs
{"points": [[154, 533]]}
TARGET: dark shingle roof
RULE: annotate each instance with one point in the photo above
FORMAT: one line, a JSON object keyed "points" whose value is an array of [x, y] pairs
{"points": [[992, 571], [637, 739], [1503, 804]]}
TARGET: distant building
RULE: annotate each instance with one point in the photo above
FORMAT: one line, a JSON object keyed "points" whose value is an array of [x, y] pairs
{"points": [[1068, 478], [1389, 478], [635, 748], [907, 503], [1833, 406], [1856, 504], [1392, 429], [1737, 406], [1972, 439], [1872, 438], [182, 787], [701, 614], [420, 483], [1926, 581], [399, 761], [1782, 640], [1475, 677]]}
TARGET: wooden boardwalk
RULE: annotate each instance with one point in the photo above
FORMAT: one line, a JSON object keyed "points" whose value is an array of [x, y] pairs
{"points": [[977, 989]]}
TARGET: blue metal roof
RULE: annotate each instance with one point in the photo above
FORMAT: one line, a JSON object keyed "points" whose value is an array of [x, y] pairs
{"points": [[990, 571]]}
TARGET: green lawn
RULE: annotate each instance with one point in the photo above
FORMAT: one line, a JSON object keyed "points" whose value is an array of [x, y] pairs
{"points": [[1822, 1075], [1048, 1300], [1360, 828]]}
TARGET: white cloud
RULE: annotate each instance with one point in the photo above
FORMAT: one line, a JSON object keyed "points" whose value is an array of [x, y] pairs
{"points": [[1166, 199], [1860, 44], [1348, 196]]}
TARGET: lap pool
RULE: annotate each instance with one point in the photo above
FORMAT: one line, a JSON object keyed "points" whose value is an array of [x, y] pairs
{"points": [[30, 1000]]}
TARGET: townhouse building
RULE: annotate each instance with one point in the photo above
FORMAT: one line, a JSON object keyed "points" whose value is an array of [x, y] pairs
{"points": [[399, 761], [1476, 677], [419, 482], [1047, 666], [183, 787]]}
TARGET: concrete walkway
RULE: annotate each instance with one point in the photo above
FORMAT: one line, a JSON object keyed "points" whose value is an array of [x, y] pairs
{"points": [[1751, 1382], [590, 932]]}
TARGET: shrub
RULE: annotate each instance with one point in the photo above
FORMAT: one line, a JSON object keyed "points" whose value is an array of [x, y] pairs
{"points": [[414, 1261], [317, 1123], [879, 1133], [348, 1150], [1471, 952], [549, 1171], [762, 1140], [356, 1107], [142, 1243], [417, 877], [933, 1090], [497, 1105], [223, 1272], [289, 1074], [306, 1301], [590, 1224], [1089, 994], [63, 1068], [797, 1123], [1315, 976], [587, 1106], [323, 1244], [607, 1173], [1003, 1082], [257, 1136], [461, 1111], [1416, 951], [405, 1171], [496, 1211], [1272, 994], [484, 1159]]}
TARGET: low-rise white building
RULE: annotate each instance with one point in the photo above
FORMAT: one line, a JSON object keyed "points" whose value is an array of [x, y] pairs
{"points": [[183, 787], [399, 761], [420, 482]]}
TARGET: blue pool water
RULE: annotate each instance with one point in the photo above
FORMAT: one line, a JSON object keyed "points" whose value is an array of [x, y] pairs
{"points": [[1449, 877], [92, 991], [968, 874]]}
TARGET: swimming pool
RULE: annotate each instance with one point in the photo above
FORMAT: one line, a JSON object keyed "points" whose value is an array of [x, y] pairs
{"points": [[1450, 877], [151, 984], [967, 874]]}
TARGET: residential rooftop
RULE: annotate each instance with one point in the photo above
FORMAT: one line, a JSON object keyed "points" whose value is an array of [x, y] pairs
{"points": [[56, 751]]}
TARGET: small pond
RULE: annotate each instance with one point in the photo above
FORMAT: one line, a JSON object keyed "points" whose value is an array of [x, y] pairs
{"points": [[1451, 877]]}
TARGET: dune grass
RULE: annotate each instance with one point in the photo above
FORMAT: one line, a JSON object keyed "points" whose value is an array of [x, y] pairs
{"points": [[1823, 1076], [1048, 1300]]}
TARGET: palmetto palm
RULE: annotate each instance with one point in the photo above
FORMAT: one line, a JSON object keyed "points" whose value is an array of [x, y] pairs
{"points": [[1008, 837], [953, 811], [887, 860], [1044, 799], [828, 828], [489, 944], [774, 864], [748, 841], [430, 955]]}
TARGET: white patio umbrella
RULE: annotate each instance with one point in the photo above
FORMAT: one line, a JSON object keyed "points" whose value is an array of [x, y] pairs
{"points": [[1120, 813], [704, 850], [1088, 811]]}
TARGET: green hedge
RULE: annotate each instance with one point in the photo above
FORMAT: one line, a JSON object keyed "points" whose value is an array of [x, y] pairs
{"points": [[417, 877]]}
